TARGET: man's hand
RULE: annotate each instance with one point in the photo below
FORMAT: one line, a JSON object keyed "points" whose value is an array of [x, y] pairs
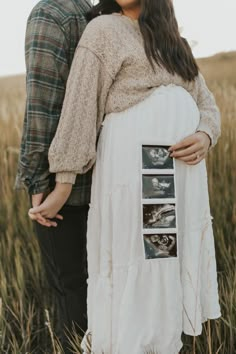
{"points": [[51, 205], [192, 149], [36, 201]]}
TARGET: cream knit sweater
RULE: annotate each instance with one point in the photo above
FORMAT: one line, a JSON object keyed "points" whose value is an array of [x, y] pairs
{"points": [[111, 73]]}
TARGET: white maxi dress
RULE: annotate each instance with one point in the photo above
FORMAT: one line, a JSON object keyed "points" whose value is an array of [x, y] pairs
{"points": [[138, 305]]}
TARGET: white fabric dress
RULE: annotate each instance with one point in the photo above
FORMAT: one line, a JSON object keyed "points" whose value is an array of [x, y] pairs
{"points": [[138, 305]]}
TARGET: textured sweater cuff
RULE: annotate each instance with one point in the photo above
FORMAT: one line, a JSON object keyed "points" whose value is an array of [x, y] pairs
{"points": [[66, 177], [203, 127]]}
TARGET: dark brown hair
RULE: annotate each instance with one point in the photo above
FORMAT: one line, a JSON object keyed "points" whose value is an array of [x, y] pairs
{"points": [[162, 40]]}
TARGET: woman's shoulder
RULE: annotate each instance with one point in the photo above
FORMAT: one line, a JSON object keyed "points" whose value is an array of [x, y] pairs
{"points": [[103, 37], [103, 21], [101, 28]]}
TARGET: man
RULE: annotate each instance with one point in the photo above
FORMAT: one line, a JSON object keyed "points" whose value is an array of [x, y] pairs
{"points": [[53, 30]]}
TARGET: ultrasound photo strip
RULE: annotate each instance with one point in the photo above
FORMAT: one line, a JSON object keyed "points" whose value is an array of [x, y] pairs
{"points": [[156, 157], [158, 186], [159, 214], [160, 245]]}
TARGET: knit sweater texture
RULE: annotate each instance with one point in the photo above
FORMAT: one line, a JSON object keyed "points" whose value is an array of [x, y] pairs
{"points": [[111, 73]]}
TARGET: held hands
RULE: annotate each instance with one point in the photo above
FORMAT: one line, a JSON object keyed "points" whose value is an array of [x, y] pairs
{"points": [[192, 149], [42, 213]]}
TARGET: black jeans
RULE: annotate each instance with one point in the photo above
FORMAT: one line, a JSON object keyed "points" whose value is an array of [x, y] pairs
{"points": [[64, 256]]}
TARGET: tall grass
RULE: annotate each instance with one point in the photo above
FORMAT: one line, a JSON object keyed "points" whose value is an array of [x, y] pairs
{"points": [[23, 292], [27, 316]]}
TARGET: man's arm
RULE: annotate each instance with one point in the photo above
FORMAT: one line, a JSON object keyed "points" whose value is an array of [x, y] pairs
{"points": [[47, 67]]}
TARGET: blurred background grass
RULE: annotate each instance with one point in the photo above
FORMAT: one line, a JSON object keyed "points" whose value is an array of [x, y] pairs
{"points": [[25, 324]]}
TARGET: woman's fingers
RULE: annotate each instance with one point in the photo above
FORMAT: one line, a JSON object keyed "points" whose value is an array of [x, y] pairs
{"points": [[47, 222], [192, 157], [195, 162], [190, 154], [48, 210], [190, 150], [43, 211], [199, 140], [36, 216], [37, 210], [183, 143], [42, 220], [39, 218], [49, 215]]}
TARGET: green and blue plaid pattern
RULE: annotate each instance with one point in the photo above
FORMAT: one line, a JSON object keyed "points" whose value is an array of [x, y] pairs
{"points": [[54, 28]]}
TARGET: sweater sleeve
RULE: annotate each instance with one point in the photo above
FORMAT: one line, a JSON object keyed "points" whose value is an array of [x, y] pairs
{"points": [[210, 121], [73, 149]]}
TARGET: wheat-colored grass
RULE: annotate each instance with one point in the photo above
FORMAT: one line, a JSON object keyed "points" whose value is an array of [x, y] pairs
{"points": [[26, 309]]}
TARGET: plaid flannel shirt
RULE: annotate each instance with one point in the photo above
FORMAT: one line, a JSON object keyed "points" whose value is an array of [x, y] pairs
{"points": [[54, 28]]}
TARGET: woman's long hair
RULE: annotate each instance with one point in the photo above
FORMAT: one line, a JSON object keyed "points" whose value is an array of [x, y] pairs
{"points": [[162, 40]]}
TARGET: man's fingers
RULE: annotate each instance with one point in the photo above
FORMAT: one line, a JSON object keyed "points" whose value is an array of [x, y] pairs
{"points": [[41, 218], [48, 223], [49, 217], [37, 217], [52, 223], [59, 217]]}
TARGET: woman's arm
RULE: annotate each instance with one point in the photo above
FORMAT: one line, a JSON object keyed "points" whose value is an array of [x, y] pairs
{"points": [[210, 122], [194, 148], [73, 149]]}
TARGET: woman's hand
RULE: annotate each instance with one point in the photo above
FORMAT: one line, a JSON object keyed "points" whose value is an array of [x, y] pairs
{"points": [[192, 149], [52, 204]]}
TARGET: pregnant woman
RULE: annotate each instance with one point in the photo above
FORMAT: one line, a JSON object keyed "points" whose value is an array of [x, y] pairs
{"points": [[134, 80]]}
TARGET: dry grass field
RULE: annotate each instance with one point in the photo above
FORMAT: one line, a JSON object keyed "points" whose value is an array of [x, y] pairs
{"points": [[25, 324]]}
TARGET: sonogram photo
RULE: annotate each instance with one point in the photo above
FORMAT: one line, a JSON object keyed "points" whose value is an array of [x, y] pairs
{"points": [[160, 246], [156, 157], [158, 186], [159, 216]]}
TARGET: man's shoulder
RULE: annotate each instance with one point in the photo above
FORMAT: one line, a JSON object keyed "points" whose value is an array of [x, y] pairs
{"points": [[60, 10]]}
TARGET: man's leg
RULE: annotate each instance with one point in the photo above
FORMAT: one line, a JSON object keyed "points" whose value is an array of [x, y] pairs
{"points": [[64, 255]]}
